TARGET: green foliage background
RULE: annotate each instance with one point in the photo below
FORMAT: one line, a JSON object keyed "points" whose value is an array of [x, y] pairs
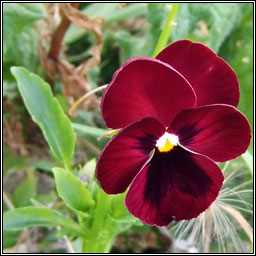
{"points": [[227, 28]]}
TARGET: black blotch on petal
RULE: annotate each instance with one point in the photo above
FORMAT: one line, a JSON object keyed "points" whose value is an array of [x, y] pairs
{"points": [[174, 169], [187, 133], [146, 143]]}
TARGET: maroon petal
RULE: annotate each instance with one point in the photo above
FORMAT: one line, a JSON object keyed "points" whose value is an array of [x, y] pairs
{"points": [[145, 87], [126, 153], [173, 186], [212, 78], [219, 131]]}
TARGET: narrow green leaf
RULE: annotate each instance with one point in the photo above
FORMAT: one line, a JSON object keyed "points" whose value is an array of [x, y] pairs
{"points": [[94, 131], [36, 203], [165, 34], [20, 39], [31, 216], [119, 15], [46, 111], [72, 190], [44, 165], [21, 218], [112, 133]]}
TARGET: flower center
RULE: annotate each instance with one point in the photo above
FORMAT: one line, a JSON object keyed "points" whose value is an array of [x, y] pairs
{"points": [[167, 142]]}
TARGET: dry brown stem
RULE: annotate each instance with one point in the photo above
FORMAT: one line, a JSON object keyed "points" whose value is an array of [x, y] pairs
{"points": [[74, 78]]}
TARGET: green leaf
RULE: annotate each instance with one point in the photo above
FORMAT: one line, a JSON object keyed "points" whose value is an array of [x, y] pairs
{"points": [[242, 63], [10, 238], [220, 19], [12, 162], [20, 38], [20, 14], [238, 51], [88, 170], [45, 199], [22, 49], [120, 214], [132, 46], [36, 203], [157, 14], [72, 190], [119, 15], [46, 111], [44, 165], [63, 102], [186, 22], [224, 17], [25, 191], [31, 216], [94, 131], [10, 90], [112, 133]]}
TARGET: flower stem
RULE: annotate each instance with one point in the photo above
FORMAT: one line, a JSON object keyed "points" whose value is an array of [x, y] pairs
{"points": [[163, 40], [101, 236]]}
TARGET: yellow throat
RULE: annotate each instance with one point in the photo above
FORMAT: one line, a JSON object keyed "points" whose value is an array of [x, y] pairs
{"points": [[167, 142]]}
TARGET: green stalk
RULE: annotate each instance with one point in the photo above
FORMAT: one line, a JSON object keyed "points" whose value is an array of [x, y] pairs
{"points": [[133, 10], [67, 166], [100, 240], [163, 40]]}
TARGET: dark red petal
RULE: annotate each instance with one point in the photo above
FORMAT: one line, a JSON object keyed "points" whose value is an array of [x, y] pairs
{"points": [[145, 87], [126, 153], [212, 78], [173, 186], [218, 131]]}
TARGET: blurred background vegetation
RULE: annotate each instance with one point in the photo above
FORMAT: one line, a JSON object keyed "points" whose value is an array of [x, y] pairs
{"points": [[128, 30]]}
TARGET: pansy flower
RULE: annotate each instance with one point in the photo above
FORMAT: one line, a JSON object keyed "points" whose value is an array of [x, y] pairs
{"points": [[178, 117]]}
